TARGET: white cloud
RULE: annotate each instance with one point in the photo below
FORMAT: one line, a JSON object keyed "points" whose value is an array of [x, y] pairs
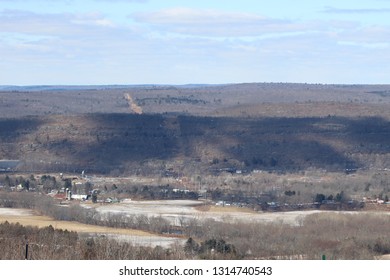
{"points": [[70, 1], [94, 19], [182, 45], [60, 24], [369, 37], [213, 22], [30, 23], [332, 10], [378, 45], [44, 38], [123, 1], [197, 16], [234, 25]]}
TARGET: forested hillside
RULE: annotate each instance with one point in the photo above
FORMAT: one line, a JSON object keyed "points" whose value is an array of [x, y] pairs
{"points": [[147, 130]]}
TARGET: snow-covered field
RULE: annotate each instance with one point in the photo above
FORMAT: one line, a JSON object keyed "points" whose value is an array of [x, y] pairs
{"points": [[177, 211], [15, 212]]}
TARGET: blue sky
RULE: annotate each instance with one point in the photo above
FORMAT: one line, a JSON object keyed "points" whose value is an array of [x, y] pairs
{"points": [[71, 42]]}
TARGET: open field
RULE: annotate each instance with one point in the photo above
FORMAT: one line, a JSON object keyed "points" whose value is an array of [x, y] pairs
{"points": [[177, 211], [136, 237]]}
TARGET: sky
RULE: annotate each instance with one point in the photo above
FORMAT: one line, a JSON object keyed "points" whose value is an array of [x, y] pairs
{"points": [[111, 42]]}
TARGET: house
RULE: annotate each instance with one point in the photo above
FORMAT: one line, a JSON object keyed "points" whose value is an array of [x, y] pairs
{"points": [[70, 196], [82, 197], [111, 200]]}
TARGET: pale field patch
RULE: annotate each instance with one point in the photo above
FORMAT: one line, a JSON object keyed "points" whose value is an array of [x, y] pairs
{"points": [[384, 257], [178, 211], [231, 209], [15, 212], [27, 217], [44, 221]]}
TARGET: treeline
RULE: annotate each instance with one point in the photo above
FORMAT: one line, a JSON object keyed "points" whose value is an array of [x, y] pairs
{"points": [[45, 243], [49, 207], [55, 244], [45, 183], [155, 192], [337, 236], [171, 100]]}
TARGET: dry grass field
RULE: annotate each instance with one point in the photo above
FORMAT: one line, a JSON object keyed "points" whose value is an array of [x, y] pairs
{"points": [[170, 210], [137, 237]]}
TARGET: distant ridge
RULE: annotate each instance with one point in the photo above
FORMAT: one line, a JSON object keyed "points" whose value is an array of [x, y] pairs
{"points": [[93, 87], [64, 88]]}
